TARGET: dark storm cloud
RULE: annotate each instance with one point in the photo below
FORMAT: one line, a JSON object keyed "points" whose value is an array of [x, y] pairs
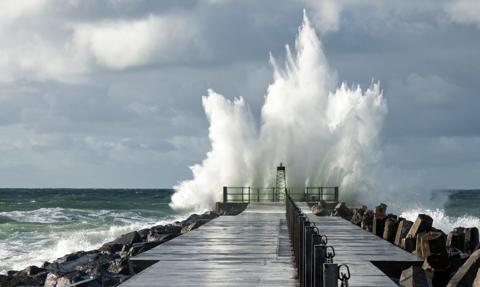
{"points": [[108, 93]]}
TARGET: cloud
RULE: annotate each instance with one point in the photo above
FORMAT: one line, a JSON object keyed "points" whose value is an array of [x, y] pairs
{"points": [[326, 14], [40, 41], [464, 12], [123, 44]]}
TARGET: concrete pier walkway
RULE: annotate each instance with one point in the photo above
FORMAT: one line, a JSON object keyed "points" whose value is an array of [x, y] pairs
{"points": [[368, 256], [250, 249]]}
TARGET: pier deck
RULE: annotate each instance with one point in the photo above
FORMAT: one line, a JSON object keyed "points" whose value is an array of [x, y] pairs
{"points": [[250, 249], [361, 250]]}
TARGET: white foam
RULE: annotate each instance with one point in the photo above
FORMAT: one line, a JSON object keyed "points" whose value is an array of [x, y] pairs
{"points": [[325, 134], [441, 220], [22, 249]]}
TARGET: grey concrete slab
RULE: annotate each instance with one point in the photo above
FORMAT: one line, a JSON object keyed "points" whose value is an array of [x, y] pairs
{"points": [[359, 248], [250, 249]]}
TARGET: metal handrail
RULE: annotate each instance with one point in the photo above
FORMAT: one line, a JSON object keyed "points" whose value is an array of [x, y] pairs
{"points": [[313, 258]]}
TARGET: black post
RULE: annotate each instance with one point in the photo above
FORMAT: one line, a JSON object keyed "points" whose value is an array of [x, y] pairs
{"points": [[225, 197], [336, 193]]}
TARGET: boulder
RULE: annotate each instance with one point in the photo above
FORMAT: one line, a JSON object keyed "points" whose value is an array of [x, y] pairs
{"points": [[476, 282], [144, 233], [414, 276], [423, 223], [358, 215], [390, 229], [110, 247], [320, 210], [380, 210], [119, 266], [456, 239], [22, 279], [378, 225], [141, 247], [465, 276], [471, 239], [402, 231], [409, 243], [192, 226], [154, 236], [69, 266], [343, 211], [367, 221], [230, 208], [128, 239], [432, 242]]}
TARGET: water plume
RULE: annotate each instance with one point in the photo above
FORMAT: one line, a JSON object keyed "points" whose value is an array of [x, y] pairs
{"points": [[326, 134]]}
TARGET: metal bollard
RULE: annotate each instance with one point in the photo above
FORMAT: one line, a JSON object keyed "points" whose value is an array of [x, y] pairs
{"points": [[330, 275], [330, 268], [343, 276], [319, 258], [308, 250]]}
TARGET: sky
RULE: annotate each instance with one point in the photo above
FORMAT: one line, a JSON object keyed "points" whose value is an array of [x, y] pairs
{"points": [[109, 93]]}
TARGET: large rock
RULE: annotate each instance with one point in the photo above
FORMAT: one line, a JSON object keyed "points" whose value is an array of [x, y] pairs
{"points": [[119, 266], [230, 208], [162, 234], [471, 239], [65, 267], [390, 229], [465, 276], [409, 243], [456, 239], [381, 210], [402, 231], [320, 210], [358, 215], [378, 225], [22, 279], [432, 242], [414, 276], [423, 223], [141, 247], [343, 211], [476, 282], [128, 239], [367, 221], [192, 226]]}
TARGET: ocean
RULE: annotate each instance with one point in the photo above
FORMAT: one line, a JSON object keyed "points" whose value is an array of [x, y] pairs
{"points": [[38, 225]]}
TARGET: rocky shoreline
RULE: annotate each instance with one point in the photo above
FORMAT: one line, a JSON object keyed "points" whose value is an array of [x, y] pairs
{"points": [[451, 259], [107, 265]]}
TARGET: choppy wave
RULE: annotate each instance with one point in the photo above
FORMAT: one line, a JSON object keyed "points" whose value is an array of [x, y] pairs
{"points": [[441, 220], [63, 231]]}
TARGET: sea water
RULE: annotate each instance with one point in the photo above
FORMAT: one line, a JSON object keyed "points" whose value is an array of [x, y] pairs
{"points": [[38, 225]]}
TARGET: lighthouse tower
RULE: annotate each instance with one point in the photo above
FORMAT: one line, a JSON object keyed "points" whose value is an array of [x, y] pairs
{"points": [[281, 183]]}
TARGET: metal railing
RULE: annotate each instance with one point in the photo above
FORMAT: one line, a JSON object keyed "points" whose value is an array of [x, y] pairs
{"points": [[273, 194], [313, 257], [317, 193], [249, 194]]}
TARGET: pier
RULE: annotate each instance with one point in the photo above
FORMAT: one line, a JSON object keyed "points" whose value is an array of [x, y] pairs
{"points": [[254, 249], [275, 241], [250, 249]]}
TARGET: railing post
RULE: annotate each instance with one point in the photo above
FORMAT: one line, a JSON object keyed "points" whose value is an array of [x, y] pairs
{"points": [[242, 193], [249, 194], [336, 193], [330, 275], [308, 249], [225, 195]]}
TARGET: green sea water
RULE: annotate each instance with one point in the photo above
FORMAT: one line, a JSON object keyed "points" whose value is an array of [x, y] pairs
{"points": [[38, 225]]}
